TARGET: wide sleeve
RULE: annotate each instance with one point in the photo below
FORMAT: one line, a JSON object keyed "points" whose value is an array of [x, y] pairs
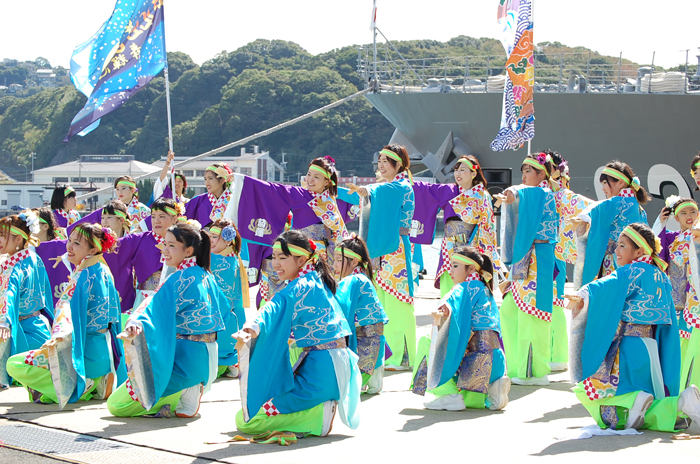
{"points": [[368, 308], [601, 217], [429, 199], [385, 218], [93, 218], [520, 222]]}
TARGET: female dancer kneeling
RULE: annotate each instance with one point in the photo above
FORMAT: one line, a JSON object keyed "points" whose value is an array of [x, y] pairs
{"points": [[276, 396], [466, 367], [363, 311], [175, 329]]}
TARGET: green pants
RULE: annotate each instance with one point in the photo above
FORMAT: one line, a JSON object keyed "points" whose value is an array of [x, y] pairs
{"points": [[472, 400], [120, 404], [400, 332], [309, 421], [38, 378], [446, 284], [690, 372], [526, 340], [613, 412], [560, 336]]}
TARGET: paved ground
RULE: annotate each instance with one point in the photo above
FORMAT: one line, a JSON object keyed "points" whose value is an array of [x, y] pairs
{"points": [[394, 426]]}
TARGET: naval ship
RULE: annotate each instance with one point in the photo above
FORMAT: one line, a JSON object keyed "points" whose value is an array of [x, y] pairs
{"points": [[589, 110]]}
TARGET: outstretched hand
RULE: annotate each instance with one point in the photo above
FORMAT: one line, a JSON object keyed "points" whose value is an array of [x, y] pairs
{"points": [[361, 191]]}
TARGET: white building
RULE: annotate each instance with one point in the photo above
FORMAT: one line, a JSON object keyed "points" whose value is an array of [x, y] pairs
{"points": [[257, 164]]}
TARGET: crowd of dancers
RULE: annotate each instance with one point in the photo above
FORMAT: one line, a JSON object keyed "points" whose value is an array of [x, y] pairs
{"points": [[144, 306]]}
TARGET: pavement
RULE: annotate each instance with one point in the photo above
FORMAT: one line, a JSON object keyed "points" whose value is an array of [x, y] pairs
{"points": [[539, 422]]}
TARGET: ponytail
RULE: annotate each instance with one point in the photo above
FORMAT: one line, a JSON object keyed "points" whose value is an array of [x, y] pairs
{"points": [[194, 237], [485, 265], [357, 246], [298, 239]]}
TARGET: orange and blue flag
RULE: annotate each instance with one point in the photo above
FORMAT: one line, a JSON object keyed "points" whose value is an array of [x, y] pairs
{"points": [[118, 60]]}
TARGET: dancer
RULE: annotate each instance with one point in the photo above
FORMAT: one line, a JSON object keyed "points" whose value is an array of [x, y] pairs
{"points": [[229, 273], [468, 213], [569, 206], [625, 346], [26, 309], [466, 367], [276, 396], [358, 299], [82, 354], [680, 250], [178, 328], [209, 207], [529, 231], [602, 223], [387, 240], [63, 203], [128, 193], [47, 224], [164, 181]]}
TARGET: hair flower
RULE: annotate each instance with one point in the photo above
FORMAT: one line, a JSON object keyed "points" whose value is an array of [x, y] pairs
{"points": [[228, 233], [312, 245], [330, 160], [542, 158], [194, 223], [31, 220], [108, 241], [672, 200]]}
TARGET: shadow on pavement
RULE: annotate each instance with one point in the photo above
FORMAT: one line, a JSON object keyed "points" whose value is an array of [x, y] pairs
{"points": [[249, 449], [605, 444], [428, 417]]}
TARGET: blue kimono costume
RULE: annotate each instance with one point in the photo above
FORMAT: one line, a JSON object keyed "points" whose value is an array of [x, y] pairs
{"points": [[93, 349], [366, 317], [227, 273], [388, 228], [625, 340], [177, 347], [528, 236], [596, 249], [467, 352], [272, 391], [29, 310]]}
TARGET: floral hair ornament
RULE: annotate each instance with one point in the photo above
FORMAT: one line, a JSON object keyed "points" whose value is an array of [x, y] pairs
{"points": [[330, 160], [228, 233], [194, 223], [672, 200], [30, 218], [109, 240]]}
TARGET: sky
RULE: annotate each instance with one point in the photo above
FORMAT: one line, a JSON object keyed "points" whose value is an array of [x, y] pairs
{"points": [[202, 29]]}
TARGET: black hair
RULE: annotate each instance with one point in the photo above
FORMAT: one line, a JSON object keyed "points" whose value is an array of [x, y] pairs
{"points": [[226, 223], [328, 165], [58, 197], [189, 236], [117, 205], [128, 179], [479, 178], [357, 245], [46, 216], [184, 180], [641, 194], [682, 200], [296, 238], [403, 154], [161, 203], [226, 183], [549, 165], [95, 232], [481, 259], [693, 167], [647, 234]]}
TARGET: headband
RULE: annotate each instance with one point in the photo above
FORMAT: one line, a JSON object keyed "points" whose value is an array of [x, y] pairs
{"points": [[348, 253], [170, 211], [469, 164], [536, 164], [121, 214], [93, 239], [612, 172], [17, 231], [392, 155], [641, 243], [470, 262], [215, 230], [43, 220], [325, 173], [293, 249], [220, 171], [68, 190], [128, 183], [683, 205]]}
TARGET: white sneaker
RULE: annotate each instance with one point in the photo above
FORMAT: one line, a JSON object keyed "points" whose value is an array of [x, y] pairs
{"points": [[539, 381], [498, 393], [393, 368], [232, 372], [329, 408], [452, 402], [105, 386], [559, 367], [689, 403], [376, 382], [642, 403], [89, 385], [190, 399]]}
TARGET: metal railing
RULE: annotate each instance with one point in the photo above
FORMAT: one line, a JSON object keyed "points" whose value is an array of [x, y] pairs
{"points": [[578, 72]]}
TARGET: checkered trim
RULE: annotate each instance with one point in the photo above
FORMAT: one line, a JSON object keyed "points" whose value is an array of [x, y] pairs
{"points": [[270, 409], [473, 276], [529, 309], [308, 267], [14, 259], [544, 184], [559, 302], [684, 334], [691, 319], [264, 291], [590, 390], [130, 390], [626, 193], [187, 263], [30, 357], [643, 259], [61, 213], [393, 292], [218, 205], [446, 263], [160, 242]]}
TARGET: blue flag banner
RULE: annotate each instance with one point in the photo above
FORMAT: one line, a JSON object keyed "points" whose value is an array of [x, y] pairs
{"points": [[117, 61]]}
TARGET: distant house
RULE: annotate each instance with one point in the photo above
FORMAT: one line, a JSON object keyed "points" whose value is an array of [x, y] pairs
{"points": [[3, 89], [9, 63], [15, 88], [45, 77]]}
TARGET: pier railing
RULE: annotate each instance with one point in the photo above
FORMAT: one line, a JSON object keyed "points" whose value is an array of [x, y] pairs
{"points": [[576, 72]]}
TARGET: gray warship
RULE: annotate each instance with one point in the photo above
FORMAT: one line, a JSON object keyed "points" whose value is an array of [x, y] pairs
{"points": [[590, 111]]}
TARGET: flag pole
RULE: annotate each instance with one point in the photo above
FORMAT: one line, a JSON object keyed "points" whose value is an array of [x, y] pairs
{"points": [[167, 105]]}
